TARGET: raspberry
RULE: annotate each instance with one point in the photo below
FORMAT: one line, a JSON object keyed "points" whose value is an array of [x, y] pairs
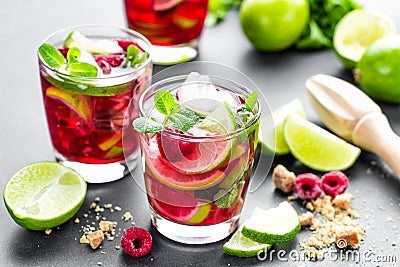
{"points": [[63, 51], [308, 186], [104, 66], [334, 183], [113, 59], [124, 43], [174, 149], [136, 242]]}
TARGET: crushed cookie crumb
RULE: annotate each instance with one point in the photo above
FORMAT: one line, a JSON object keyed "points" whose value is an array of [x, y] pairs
{"points": [[76, 220], [84, 240], [107, 206], [283, 179], [342, 201], [48, 231], [95, 238], [97, 199], [306, 219], [347, 235], [127, 216], [117, 247], [107, 226], [92, 205], [98, 209], [117, 208]]}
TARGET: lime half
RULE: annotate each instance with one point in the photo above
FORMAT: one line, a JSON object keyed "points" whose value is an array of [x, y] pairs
{"points": [[44, 195], [356, 31], [241, 246], [317, 148], [270, 135], [272, 226], [77, 39]]}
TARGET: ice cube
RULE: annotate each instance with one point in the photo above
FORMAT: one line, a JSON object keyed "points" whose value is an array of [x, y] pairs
{"points": [[200, 88]]}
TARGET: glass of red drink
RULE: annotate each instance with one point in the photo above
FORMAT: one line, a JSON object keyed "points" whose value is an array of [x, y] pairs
{"points": [[197, 178], [91, 98], [172, 26]]}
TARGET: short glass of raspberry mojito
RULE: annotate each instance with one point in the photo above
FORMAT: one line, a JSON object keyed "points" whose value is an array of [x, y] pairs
{"points": [[198, 141], [92, 77]]}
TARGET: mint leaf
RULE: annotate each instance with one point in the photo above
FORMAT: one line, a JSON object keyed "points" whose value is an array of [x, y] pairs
{"points": [[164, 102], [73, 55], [51, 56], [183, 119], [147, 125], [226, 200], [82, 69], [131, 54], [251, 101]]}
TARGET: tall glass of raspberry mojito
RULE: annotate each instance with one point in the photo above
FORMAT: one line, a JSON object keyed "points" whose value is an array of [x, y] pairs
{"points": [[92, 77], [173, 26], [198, 141]]}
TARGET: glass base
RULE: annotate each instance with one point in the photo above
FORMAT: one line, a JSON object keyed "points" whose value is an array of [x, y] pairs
{"points": [[190, 234], [169, 55], [101, 173]]}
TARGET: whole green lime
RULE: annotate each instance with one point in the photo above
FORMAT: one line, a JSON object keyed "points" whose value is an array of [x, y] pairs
{"points": [[378, 71], [273, 25]]}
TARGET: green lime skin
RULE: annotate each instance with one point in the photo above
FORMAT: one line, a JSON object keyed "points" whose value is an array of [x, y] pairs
{"points": [[378, 71], [273, 25]]}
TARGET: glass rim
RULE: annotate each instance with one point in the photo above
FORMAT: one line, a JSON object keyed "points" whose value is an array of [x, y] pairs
{"points": [[184, 136], [109, 26]]}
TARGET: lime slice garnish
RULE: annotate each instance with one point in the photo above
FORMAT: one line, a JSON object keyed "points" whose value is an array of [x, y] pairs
{"points": [[200, 214], [220, 121], [272, 226], [317, 148], [356, 31], [77, 39], [44, 195], [270, 135], [81, 104], [241, 246]]}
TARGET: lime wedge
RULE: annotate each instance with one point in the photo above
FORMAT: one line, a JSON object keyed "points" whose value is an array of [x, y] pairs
{"points": [[272, 226], [77, 39], [317, 148], [240, 246], [44, 195], [270, 135], [220, 121], [356, 31]]}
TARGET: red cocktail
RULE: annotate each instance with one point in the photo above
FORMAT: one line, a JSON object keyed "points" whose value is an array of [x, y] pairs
{"points": [[172, 26], [91, 98], [198, 157]]}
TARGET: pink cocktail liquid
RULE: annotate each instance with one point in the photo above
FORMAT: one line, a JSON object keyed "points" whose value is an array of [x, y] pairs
{"points": [[198, 177], [167, 22]]}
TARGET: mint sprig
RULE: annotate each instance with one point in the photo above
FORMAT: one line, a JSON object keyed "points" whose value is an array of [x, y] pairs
{"points": [[251, 101], [132, 56], [175, 116], [74, 67]]}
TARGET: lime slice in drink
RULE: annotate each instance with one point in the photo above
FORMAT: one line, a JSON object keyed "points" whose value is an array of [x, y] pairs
{"points": [[272, 226], [177, 205], [80, 104], [164, 172], [211, 153], [241, 246], [317, 148], [163, 5], [44, 195], [356, 31], [270, 135], [77, 39]]}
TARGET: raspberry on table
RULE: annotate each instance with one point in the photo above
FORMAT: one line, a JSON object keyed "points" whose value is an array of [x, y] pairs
{"points": [[334, 183], [136, 242], [308, 186]]}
